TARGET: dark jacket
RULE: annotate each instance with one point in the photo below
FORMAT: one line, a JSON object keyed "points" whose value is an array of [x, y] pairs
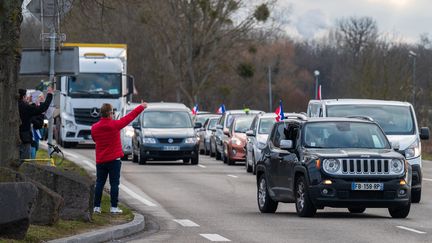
{"points": [[26, 112]]}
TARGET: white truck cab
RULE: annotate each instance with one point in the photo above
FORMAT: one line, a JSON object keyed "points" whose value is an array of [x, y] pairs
{"points": [[102, 79], [396, 118]]}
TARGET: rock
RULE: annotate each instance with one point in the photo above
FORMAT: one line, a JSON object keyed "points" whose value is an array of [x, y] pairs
{"points": [[76, 190], [16, 202]]}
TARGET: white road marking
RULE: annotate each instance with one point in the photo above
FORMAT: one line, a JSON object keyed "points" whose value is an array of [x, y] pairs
{"points": [[427, 179], [412, 230], [186, 223], [202, 166], [233, 176], [137, 197], [214, 237]]}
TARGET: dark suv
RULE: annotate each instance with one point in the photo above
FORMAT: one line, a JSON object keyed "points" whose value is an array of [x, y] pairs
{"points": [[332, 162]]}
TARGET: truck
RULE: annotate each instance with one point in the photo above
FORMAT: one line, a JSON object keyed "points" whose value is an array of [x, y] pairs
{"points": [[102, 78]]}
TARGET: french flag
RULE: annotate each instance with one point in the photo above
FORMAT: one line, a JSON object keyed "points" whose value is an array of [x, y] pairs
{"points": [[279, 112], [221, 109], [195, 109]]}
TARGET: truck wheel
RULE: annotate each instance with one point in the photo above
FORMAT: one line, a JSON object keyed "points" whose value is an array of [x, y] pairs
{"points": [[357, 210], [195, 160], [416, 195], [304, 206], [141, 158], [265, 203], [400, 212]]}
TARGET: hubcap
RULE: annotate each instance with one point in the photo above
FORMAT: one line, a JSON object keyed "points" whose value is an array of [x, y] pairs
{"points": [[300, 196], [262, 192]]}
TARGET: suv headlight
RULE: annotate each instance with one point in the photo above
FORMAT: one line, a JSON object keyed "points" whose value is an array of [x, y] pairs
{"points": [[396, 166], [414, 150], [236, 141], [331, 165], [149, 140], [191, 140], [70, 125]]}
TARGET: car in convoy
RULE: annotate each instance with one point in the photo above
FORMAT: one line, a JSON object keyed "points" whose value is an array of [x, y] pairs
{"points": [[397, 119], [220, 138], [205, 132], [128, 132], [257, 138], [236, 142], [164, 131], [332, 162]]}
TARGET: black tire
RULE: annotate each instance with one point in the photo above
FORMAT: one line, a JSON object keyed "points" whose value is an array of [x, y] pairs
{"points": [[357, 210], [134, 157], [206, 151], [265, 203], [230, 161], [248, 167], [218, 155], [212, 154], [141, 158], [253, 165], [186, 161], [202, 151], [195, 160], [400, 212], [224, 157], [304, 206], [416, 195]]}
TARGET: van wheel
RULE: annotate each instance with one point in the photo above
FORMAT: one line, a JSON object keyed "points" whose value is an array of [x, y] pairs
{"points": [[265, 203], [195, 160], [416, 196], [304, 206], [400, 212], [141, 158]]}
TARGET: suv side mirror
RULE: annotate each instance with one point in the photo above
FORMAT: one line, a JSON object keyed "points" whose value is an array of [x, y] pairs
{"points": [[250, 133], [286, 144], [197, 125], [424, 133], [136, 125]]}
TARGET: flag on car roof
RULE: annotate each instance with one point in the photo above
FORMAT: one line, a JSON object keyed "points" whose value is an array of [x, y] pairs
{"points": [[319, 95], [221, 109], [279, 112], [195, 109]]}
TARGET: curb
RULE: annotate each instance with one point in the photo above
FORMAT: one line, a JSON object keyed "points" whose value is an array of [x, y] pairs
{"points": [[108, 234]]}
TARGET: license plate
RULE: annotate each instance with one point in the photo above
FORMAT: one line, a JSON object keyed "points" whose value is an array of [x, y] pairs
{"points": [[355, 186], [171, 148]]}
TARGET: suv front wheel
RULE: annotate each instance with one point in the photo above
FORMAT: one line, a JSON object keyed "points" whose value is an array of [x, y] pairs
{"points": [[400, 212], [304, 206], [265, 203]]}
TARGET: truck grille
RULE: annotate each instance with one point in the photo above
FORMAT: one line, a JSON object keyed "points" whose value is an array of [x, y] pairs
{"points": [[365, 166], [84, 116]]}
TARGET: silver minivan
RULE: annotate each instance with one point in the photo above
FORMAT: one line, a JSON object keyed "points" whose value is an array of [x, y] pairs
{"points": [[396, 118]]}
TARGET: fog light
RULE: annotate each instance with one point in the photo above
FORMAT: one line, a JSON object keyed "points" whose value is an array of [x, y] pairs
{"points": [[325, 191], [402, 182], [327, 182], [402, 192]]}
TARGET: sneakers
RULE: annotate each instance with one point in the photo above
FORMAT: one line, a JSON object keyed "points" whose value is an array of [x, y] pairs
{"points": [[116, 210], [97, 210]]}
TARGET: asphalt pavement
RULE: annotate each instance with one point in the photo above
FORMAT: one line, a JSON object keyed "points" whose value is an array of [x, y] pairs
{"points": [[216, 202]]}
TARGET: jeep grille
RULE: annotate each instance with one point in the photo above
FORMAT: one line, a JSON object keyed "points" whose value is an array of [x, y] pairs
{"points": [[365, 166]]}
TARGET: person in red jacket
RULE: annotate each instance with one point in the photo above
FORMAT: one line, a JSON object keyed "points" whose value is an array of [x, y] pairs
{"points": [[106, 135]]}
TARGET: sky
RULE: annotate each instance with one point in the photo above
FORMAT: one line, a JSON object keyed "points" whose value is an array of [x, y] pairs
{"points": [[406, 19]]}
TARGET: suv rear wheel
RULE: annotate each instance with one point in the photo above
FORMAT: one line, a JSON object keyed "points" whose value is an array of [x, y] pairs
{"points": [[357, 210], [265, 203], [304, 206], [400, 212]]}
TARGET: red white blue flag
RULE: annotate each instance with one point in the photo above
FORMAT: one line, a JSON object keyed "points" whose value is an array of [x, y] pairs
{"points": [[195, 109], [221, 109], [279, 112]]}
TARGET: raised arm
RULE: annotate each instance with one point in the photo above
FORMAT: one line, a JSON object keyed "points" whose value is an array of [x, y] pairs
{"points": [[124, 121]]}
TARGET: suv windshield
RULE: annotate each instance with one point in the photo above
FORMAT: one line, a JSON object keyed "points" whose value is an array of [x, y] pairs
{"points": [[95, 85], [394, 120], [243, 124], [166, 119], [344, 135], [266, 125]]}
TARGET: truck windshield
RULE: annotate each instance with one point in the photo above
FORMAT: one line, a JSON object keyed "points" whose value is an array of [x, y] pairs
{"points": [[344, 135], [95, 85], [166, 119], [394, 120]]}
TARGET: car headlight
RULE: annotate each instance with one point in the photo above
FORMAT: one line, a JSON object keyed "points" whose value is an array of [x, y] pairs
{"points": [[414, 150], [149, 140], [236, 141], [70, 125], [331, 165], [191, 140], [129, 132], [396, 166]]}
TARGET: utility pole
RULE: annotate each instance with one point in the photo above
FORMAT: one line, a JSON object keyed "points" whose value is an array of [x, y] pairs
{"points": [[270, 89], [414, 56], [316, 73]]}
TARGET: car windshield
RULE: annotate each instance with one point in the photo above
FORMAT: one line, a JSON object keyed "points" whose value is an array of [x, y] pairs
{"points": [[212, 123], [166, 119], [344, 135], [266, 125], [95, 85], [394, 120], [243, 124]]}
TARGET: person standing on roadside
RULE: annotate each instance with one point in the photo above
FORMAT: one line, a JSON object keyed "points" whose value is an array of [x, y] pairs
{"points": [[106, 135], [26, 112]]}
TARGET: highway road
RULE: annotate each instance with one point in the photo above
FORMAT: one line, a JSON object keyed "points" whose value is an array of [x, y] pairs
{"points": [[217, 202]]}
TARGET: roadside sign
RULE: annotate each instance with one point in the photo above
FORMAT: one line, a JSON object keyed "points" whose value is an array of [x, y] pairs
{"points": [[35, 62], [47, 11]]}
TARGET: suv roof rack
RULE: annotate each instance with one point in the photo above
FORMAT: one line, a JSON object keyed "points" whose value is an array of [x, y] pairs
{"points": [[295, 116], [367, 118]]}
